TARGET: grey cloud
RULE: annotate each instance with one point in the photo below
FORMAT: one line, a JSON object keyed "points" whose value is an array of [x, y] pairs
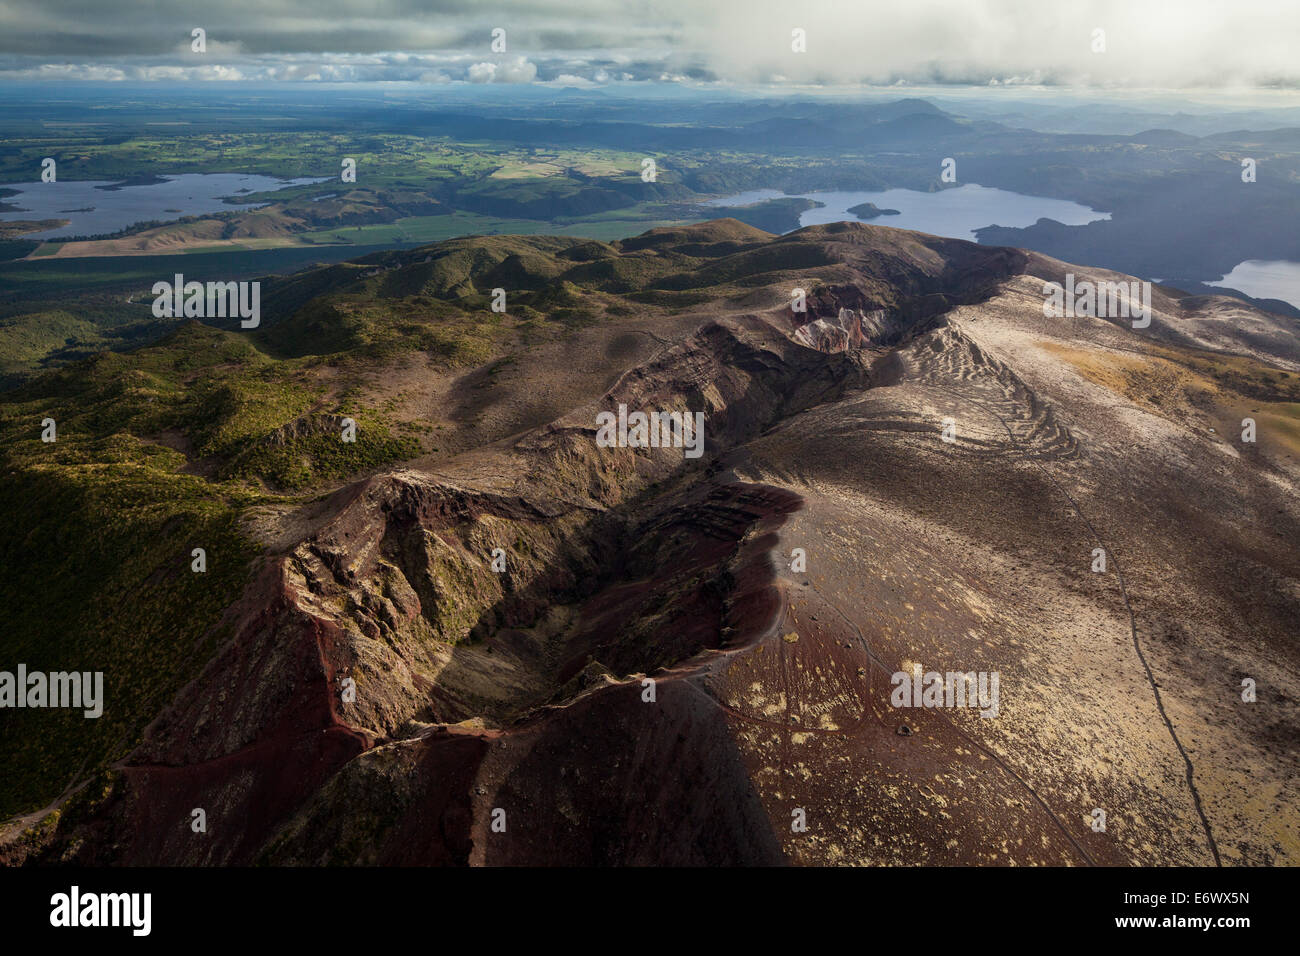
{"points": [[1149, 43]]}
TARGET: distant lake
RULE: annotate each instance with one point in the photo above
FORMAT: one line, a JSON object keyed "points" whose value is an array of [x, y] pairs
{"points": [[956, 213], [94, 209], [1265, 279]]}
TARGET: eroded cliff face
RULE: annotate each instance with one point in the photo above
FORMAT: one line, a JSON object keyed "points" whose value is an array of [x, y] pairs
{"points": [[387, 633]]}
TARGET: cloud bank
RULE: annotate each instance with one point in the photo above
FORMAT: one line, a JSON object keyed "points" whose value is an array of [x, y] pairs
{"points": [[1170, 44]]}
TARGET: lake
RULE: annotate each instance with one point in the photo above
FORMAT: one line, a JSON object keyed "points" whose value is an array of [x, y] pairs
{"points": [[95, 210], [956, 212], [1265, 279]]}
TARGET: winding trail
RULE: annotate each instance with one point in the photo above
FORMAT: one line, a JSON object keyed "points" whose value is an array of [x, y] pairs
{"points": [[1123, 587]]}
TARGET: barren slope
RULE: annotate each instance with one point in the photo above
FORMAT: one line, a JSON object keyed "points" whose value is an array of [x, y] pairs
{"points": [[524, 692]]}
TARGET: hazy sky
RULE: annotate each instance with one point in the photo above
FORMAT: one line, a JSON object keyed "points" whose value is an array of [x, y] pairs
{"points": [[1170, 44]]}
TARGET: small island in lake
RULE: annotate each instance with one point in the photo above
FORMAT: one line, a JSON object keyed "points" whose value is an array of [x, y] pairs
{"points": [[869, 210]]}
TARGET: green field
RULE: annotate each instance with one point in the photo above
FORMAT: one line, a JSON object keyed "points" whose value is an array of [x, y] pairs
{"points": [[424, 229]]}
